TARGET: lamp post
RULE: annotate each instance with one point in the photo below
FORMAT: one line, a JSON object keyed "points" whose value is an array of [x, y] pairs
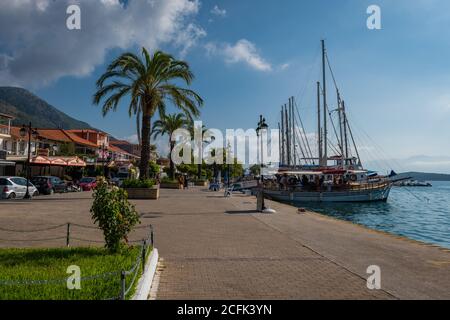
{"points": [[260, 131], [24, 131], [103, 150], [229, 166]]}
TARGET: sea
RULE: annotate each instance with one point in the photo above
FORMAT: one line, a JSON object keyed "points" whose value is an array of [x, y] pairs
{"points": [[419, 213]]}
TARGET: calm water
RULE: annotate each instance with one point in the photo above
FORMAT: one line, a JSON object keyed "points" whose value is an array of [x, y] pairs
{"points": [[421, 214]]}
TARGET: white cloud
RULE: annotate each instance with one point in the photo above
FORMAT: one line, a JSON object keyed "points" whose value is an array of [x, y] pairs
{"points": [[161, 143], [284, 66], [189, 37], [132, 139], [37, 48], [218, 11], [242, 51]]}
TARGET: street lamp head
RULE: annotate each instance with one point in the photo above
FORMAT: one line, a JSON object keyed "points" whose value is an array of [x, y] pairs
{"points": [[35, 134], [23, 131], [264, 125]]}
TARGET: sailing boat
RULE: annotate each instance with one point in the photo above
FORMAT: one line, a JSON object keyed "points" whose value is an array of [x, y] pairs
{"points": [[340, 177]]}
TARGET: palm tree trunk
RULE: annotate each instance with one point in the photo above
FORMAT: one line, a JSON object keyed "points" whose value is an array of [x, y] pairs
{"points": [[145, 149], [172, 165]]}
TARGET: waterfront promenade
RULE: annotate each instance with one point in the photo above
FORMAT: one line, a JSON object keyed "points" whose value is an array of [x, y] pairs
{"points": [[213, 247]]}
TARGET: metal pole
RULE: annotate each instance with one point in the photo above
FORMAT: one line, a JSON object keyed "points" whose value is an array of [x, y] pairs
{"points": [[345, 130], [341, 132], [144, 255], [68, 236], [325, 112], [122, 285], [27, 194], [283, 159], [319, 129], [279, 145], [152, 237], [288, 140], [293, 132]]}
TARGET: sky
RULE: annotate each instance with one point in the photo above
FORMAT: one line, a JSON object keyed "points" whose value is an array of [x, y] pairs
{"points": [[249, 57]]}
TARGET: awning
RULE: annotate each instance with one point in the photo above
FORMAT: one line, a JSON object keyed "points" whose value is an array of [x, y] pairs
{"points": [[75, 162], [40, 160], [59, 161]]}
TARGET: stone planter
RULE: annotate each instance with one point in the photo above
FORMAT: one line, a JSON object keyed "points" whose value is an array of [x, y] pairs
{"points": [[143, 193], [170, 186]]}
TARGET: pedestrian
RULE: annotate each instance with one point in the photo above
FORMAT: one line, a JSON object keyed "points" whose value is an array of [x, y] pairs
{"points": [[186, 182], [180, 182]]}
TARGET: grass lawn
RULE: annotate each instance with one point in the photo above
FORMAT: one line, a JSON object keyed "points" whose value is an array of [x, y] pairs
{"points": [[52, 264]]}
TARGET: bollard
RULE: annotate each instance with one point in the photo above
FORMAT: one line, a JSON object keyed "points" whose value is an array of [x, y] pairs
{"points": [[144, 255], [68, 236], [122, 285]]}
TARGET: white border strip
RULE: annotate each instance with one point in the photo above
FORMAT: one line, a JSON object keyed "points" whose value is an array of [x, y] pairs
{"points": [[145, 282]]}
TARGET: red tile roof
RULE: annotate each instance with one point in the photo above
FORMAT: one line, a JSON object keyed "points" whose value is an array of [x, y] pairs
{"points": [[54, 135], [79, 140], [58, 135], [118, 150]]}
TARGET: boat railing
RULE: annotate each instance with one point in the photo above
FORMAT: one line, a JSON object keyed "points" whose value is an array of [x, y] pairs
{"points": [[274, 186]]}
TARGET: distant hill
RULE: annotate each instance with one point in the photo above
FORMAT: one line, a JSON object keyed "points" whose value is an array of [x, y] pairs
{"points": [[26, 107], [422, 176]]}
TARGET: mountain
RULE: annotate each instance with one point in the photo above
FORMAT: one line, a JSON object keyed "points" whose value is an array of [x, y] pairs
{"points": [[26, 107], [422, 176]]}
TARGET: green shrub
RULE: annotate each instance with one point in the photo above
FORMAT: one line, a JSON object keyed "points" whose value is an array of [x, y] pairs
{"points": [[169, 181], [153, 168], [114, 215], [134, 183]]}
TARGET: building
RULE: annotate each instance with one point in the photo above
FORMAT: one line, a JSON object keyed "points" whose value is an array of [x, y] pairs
{"points": [[131, 148], [6, 145], [54, 150]]}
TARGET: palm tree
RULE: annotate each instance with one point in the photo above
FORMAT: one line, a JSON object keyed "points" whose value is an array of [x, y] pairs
{"points": [[192, 129], [167, 125], [149, 82]]}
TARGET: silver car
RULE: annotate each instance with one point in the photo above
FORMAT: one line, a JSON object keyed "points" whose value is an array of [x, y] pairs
{"points": [[16, 188]]}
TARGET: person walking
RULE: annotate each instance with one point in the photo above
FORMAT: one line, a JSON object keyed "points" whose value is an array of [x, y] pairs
{"points": [[181, 182], [186, 182]]}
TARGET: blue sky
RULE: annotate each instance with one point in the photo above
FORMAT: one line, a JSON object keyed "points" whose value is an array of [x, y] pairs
{"points": [[250, 56]]}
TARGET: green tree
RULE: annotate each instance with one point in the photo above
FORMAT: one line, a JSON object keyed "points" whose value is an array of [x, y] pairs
{"points": [[167, 125], [150, 82]]}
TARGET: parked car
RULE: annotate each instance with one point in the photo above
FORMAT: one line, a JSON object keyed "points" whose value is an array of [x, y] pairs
{"points": [[88, 184], [215, 186], [16, 188], [120, 178], [73, 187], [49, 185]]}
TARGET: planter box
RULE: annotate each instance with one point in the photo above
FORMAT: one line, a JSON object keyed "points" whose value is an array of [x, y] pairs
{"points": [[201, 184], [143, 193], [170, 186]]}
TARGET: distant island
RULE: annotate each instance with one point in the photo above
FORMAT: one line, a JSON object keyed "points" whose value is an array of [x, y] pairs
{"points": [[423, 176]]}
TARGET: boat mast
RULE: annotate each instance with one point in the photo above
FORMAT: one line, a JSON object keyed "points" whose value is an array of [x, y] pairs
{"points": [[324, 84], [319, 129], [288, 140], [291, 103], [341, 132], [279, 145], [345, 130], [283, 138]]}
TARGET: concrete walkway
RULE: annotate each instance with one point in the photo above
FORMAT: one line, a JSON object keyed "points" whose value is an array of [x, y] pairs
{"points": [[218, 248]]}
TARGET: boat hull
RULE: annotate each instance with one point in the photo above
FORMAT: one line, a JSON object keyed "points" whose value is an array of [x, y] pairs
{"points": [[367, 195]]}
